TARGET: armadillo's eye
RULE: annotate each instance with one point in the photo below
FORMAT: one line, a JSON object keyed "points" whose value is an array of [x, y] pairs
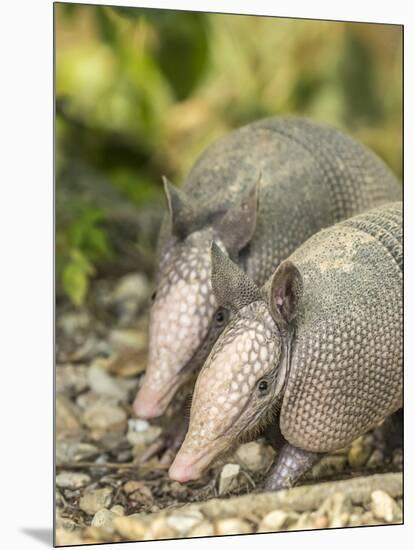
{"points": [[153, 295], [220, 316], [262, 386]]}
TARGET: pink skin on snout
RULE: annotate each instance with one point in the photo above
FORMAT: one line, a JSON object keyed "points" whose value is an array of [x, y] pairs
{"points": [[188, 466], [146, 404], [150, 403]]}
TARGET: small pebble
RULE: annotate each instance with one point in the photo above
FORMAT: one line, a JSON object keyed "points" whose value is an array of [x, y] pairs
{"points": [[254, 456], [232, 526], [141, 433], [67, 416], [182, 523], [202, 529], [376, 458], [71, 378], [130, 527], [321, 522], [72, 480], [92, 501], [103, 383], [384, 507], [104, 520], [68, 451], [104, 416], [228, 478], [355, 519], [274, 521], [305, 521], [159, 529], [340, 520]]}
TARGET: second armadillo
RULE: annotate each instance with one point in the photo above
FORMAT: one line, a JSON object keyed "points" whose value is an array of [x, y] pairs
{"points": [[321, 342]]}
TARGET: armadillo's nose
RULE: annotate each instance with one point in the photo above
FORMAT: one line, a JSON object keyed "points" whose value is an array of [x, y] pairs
{"points": [[147, 404], [183, 469]]}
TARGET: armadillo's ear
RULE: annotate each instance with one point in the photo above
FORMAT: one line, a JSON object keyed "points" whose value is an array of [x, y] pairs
{"points": [[285, 292], [237, 226], [232, 287], [182, 212]]}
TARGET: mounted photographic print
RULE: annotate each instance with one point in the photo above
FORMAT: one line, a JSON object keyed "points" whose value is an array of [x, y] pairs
{"points": [[229, 274]]}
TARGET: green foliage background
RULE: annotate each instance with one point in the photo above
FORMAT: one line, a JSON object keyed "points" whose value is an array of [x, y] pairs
{"points": [[141, 92]]}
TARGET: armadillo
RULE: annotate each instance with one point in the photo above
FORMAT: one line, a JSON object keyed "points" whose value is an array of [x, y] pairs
{"points": [[259, 192], [315, 353]]}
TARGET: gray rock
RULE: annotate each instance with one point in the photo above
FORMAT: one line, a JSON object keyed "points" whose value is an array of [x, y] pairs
{"points": [[104, 416], [68, 451], [254, 456], [71, 378], [92, 501], [103, 383], [228, 478], [376, 458], [103, 519], [72, 480], [67, 416], [141, 433]]}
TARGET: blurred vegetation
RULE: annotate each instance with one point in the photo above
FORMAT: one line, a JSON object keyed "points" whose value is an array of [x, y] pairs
{"points": [[141, 92]]}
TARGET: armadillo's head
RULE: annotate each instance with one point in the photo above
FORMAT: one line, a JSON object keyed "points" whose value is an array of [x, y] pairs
{"points": [[185, 319], [240, 385]]}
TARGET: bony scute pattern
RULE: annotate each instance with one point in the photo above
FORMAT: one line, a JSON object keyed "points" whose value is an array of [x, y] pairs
{"points": [[346, 369], [239, 359], [182, 311]]}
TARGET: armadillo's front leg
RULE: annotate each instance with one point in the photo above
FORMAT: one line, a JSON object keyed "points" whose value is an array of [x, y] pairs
{"points": [[291, 464]]}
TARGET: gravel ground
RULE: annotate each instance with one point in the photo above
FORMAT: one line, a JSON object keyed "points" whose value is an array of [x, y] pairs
{"points": [[105, 493]]}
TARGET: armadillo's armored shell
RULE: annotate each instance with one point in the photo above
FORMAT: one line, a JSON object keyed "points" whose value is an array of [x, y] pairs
{"points": [[312, 176], [346, 371]]}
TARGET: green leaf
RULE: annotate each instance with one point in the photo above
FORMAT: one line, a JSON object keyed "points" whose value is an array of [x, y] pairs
{"points": [[75, 277]]}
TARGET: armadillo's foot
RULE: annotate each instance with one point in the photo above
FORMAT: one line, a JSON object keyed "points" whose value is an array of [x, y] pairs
{"points": [[166, 446], [291, 464]]}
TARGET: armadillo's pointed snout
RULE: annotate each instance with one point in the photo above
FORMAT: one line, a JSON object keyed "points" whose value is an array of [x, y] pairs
{"points": [[147, 404], [183, 469]]}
